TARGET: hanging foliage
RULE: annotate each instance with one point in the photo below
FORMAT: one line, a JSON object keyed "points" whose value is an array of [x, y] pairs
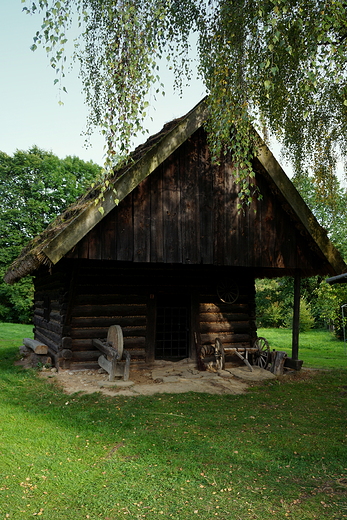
{"points": [[277, 64]]}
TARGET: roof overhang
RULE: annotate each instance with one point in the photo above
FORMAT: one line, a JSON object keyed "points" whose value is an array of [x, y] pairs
{"points": [[55, 245], [137, 172]]}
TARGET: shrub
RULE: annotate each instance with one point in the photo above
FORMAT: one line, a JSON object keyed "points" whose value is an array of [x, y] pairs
{"points": [[306, 319]]}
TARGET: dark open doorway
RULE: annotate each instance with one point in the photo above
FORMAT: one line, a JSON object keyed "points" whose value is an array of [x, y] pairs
{"points": [[172, 335]]}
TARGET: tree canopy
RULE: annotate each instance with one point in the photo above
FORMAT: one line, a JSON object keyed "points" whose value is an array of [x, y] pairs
{"points": [[35, 187], [277, 64]]}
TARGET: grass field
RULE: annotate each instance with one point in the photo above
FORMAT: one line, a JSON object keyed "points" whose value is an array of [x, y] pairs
{"points": [[317, 348], [277, 452]]}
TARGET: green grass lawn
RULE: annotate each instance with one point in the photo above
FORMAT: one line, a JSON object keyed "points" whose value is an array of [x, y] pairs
{"points": [[317, 348], [277, 452]]}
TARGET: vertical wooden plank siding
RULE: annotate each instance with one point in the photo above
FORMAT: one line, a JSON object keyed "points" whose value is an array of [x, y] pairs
{"points": [[205, 187], [171, 212], [141, 222], [124, 230], [186, 212], [108, 237], [256, 222], [94, 243], [190, 217], [157, 220], [232, 215], [219, 199]]}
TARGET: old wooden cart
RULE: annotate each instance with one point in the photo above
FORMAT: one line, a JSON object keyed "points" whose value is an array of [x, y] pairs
{"points": [[256, 355]]}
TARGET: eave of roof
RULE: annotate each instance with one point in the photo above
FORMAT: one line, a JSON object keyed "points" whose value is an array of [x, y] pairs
{"points": [[300, 208], [63, 234]]}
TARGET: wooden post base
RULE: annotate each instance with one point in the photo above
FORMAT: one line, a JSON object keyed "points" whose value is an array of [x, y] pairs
{"points": [[295, 364]]}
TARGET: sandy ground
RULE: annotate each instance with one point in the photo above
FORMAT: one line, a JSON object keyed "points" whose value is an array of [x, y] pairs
{"points": [[161, 377]]}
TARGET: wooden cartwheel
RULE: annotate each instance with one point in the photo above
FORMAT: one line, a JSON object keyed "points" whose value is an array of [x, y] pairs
{"points": [[261, 354], [258, 354]]}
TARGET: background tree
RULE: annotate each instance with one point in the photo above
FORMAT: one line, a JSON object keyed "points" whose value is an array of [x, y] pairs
{"points": [[278, 64], [35, 186], [328, 201]]}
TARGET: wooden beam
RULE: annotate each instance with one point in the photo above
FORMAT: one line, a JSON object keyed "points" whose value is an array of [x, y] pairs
{"points": [[36, 346], [294, 364], [296, 316], [137, 172]]}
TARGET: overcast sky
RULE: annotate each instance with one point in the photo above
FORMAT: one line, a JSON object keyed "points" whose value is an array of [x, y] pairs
{"points": [[30, 113]]}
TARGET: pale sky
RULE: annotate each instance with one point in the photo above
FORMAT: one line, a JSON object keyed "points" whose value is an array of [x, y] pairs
{"points": [[30, 113]]}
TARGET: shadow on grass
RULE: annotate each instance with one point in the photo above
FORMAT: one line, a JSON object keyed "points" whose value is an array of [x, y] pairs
{"points": [[180, 453]]}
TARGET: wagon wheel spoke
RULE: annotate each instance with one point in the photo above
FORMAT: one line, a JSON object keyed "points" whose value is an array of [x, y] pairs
{"points": [[228, 292], [262, 355]]}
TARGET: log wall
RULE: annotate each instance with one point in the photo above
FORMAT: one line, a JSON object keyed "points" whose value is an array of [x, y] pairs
{"points": [[50, 310], [101, 294], [234, 324]]}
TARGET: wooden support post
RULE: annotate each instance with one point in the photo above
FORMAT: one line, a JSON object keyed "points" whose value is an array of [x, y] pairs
{"points": [[296, 316], [109, 365]]}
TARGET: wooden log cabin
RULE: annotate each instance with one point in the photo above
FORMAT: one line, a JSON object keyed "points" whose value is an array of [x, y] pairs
{"points": [[172, 261]]}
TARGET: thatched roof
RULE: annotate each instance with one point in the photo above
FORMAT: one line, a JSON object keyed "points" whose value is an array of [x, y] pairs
{"points": [[72, 225]]}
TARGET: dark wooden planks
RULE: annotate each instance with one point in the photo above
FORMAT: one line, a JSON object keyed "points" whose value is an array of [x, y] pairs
{"points": [[186, 212], [206, 213], [231, 252], [171, 212], [107, 232], [125, 230], [142, 221], [157, 242], [189, 202], [219, 222]]}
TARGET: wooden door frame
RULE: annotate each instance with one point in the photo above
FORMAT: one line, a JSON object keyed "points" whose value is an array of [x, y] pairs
{"points": [[194, 327]]}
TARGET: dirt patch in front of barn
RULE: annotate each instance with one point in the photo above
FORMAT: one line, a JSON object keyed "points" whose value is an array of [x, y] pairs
{"points": [[161, 377]]}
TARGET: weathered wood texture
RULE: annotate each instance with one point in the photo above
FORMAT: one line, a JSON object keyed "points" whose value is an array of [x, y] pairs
{"points": [[186, 212], [50, 307], [175, 236], [36, 346], [234, 324], [121, 293]]}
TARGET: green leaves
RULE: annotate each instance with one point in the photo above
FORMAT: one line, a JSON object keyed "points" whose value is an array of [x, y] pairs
{"points": [[281, 62], [35, 186]]}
